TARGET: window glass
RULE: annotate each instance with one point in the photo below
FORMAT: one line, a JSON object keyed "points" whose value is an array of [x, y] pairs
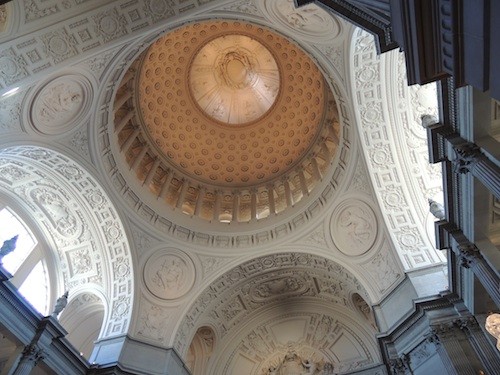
{"points": [[11, 226], [35, 288]]}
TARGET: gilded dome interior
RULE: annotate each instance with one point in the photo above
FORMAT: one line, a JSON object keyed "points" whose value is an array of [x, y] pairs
{"points": [[226, 121]]}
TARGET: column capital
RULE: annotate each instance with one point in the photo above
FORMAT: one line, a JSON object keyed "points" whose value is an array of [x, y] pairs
{"points": [[400, 365], [467, 156], [468, 254], [33, 353]]}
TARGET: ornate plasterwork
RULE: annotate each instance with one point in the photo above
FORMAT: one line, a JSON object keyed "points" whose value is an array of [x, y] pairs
{"points": [[329, 339], [153, 322], [169, 274], [83, 33], [353, 227], [3, 17], [255, 284], [183, 228], [309, 22], [76, 216], [10, 112], [60, 104], [395, 147]]}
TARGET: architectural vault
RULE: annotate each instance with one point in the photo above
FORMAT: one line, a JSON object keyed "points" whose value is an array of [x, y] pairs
{"points": [[223, 188]]}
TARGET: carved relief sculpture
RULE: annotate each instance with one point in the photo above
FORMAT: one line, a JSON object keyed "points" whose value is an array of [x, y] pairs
{"points": [[293, 364], [168, 276]]}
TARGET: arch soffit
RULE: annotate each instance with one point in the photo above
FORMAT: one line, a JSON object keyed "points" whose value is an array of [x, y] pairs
{"points": [[394, 145], [280, 327], [278, 275], [76, 215]]}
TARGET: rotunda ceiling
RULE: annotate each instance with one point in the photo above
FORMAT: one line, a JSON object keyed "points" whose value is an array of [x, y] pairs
{"points": [[227, 121]]}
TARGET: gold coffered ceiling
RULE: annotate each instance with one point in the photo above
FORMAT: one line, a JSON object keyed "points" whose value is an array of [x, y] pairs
{"points": [[234, 122]]}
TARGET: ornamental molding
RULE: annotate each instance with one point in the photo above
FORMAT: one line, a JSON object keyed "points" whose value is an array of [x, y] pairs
{"points": [[85, 32], [169, 273], [181, 227], [353, 227], [59, 104], [255, 284], [76, 216], [265, 345], [398, 152]]}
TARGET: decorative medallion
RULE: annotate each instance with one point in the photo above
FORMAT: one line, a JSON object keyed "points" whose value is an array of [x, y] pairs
{"points": [[308, 22], [353, 227], [169, 274], [61, 104], [234, 79]]}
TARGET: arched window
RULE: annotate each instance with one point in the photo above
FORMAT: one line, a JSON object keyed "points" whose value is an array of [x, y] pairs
{"points": [[27, 262]]}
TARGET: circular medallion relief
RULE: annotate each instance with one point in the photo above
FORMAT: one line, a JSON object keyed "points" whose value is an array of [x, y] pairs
{"points": [[234, 79], [308, 22], [60, 104], [353, 227], [169, 274]]}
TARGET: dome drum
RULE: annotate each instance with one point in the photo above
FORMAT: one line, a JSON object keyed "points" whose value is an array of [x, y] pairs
{"points": [[177, 131]]}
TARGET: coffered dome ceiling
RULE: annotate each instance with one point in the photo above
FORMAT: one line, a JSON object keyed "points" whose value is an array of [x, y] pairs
{"points": [[226, 121]]}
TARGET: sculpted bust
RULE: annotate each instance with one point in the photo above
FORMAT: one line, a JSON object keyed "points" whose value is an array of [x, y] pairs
{"points": [[493, 327]]}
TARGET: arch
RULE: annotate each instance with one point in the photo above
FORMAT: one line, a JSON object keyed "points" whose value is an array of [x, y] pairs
{"points": [[200, 350], [269, 287], [394, 144], [83, 318], [79, 222]]}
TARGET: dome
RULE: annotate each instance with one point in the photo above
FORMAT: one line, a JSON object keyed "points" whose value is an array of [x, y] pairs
{"points": [[226, 121]]}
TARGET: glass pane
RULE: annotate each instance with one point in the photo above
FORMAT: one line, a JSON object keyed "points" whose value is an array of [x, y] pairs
{"points": [[35, 288], [11, 226]]}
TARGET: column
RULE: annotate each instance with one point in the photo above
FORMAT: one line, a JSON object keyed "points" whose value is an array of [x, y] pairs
{"points": [[453, 349], [487, 354], [236, 206], [453, 238], [124, 121], [316, 171], [199, 201], [152, 172], [288, 193], [471, 258], [469, 158], [30, 357], [122, 99], [218, 197], [182, 194], [130, 140], [139, 157], [270, 197], [166, 185], [400, 365], [253, 205], [303, 183]]}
